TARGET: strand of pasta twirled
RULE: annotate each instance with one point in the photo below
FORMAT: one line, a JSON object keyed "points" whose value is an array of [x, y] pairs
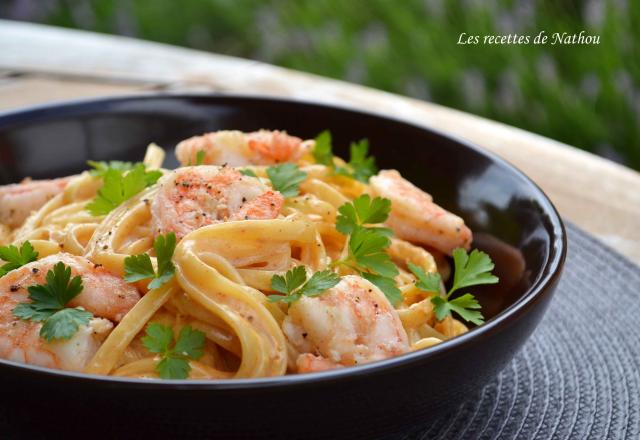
{"points": [[242, 308]]}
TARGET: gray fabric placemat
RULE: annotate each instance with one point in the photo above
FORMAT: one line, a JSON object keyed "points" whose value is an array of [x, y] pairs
{"points": [[578, 376]]}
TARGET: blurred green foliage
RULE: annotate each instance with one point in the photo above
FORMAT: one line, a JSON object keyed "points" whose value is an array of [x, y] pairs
{"points": [[585, 95]]}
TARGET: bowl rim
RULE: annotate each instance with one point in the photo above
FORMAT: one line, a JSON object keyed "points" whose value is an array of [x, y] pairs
{"points": [[540, 288]]}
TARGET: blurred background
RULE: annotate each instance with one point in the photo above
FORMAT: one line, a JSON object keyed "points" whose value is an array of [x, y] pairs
{"points": [[587, 96]]}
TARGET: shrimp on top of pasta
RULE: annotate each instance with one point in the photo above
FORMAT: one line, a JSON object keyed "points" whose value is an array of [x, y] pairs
{"points": [[261, 255]]}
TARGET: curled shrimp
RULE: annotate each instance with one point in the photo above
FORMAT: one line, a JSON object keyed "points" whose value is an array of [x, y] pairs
{"points": [[19, 200], [235, 148], [351, 323], [416, 218], [105, 295], [192, 197]]}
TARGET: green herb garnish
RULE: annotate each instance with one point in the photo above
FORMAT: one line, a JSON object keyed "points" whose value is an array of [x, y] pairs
{"points": [[360, 166], [100, 168], [367, 250], [367, 245], [323, 151], [139, 267], [294, 284], [362, 211], [200, 157], [119, 186], [16, 258], [174, 363], [49, 304], [248, 172], [368, 256], [286, 178], [470, 270]]}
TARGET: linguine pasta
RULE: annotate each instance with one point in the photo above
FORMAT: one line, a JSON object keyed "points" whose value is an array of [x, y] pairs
{"points": [[227, 263]]}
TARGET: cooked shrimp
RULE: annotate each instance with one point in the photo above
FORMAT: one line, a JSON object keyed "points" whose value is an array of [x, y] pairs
{"points": [[105, 295], [415, 217], [192, 197], [269, 147], [351, 323], [235, 148], [307, 363], [18, 200]]}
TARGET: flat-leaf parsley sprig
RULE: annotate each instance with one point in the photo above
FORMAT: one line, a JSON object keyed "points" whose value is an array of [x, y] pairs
{"points": [[100, 168], [16, 258], [174, 358], [139, 267], [200, 155], [323, 150], [295, 284], [248, 172], [362, 211], [286, 178], [361, 166], [49, 304], [367, 246], [367, 256], [469, 270], [119, 185]]}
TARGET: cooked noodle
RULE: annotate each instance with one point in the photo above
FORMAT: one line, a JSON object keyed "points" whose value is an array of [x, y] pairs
{"points": [[223, 272]]}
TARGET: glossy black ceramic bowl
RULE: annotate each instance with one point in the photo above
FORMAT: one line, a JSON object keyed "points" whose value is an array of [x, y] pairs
{"points": [[512, 219]]}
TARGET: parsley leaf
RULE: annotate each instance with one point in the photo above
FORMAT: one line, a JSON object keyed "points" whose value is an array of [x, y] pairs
{"points": [[319, 282], [294, 284], [359, 167], [15, 257], [247, 172], [101, 168], [49, 301], [293, 279], [139, 267], [366, 248], [367, 245], [200, 157], [286, 178], [158, 338], [361, 211], [470, 270], [463, 306], [387, 285], [322, 152], [64, 323], [429, 282], [119, 187], [173, 368], [174, 363], [367, 256], [190, 343]]}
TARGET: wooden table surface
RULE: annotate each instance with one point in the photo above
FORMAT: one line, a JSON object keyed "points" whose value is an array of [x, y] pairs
{"points": [[40, 64]]}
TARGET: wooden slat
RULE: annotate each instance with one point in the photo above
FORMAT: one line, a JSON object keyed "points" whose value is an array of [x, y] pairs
{"points": [[598, 195], [25, 91]]}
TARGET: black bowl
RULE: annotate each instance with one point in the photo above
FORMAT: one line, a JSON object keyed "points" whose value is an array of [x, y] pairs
{"points": [[511, 217]]}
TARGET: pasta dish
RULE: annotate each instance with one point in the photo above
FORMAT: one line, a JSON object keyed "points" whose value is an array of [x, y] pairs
{"points": [[261, 255]]}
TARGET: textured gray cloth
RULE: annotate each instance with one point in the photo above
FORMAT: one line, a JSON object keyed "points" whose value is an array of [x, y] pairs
{"points": [[578, 376]]}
